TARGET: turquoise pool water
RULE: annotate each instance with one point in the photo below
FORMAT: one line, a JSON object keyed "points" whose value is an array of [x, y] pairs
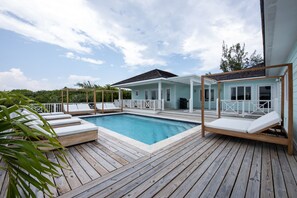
{"points": [[144, 129]]}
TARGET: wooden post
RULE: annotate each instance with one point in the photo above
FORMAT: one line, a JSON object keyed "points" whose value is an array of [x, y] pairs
{"points": [[62, 100], [219, 102], [67, 100], [112, 96], [95, 107], [290, 110], [102, 101], [202, 107], [282, 97], [87, 97], [121, 99]]}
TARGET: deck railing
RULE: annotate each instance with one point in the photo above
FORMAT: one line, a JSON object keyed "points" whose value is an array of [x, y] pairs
{"points": [[50, 107], [142, 104], [248, 107]]}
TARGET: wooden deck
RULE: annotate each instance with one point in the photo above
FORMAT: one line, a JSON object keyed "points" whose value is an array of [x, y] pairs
{"points": [[212, 166]]}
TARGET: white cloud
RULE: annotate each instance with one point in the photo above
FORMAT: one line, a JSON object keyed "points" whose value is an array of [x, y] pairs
{"points": [[16, 79], [78, 78], [84, 59], [144, 32]]}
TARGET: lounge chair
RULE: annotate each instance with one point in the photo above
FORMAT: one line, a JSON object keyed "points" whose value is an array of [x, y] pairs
{"points": [[57, 117], [51, 113], [108, 107], [249, 129], [78, 109], [72, 135], [64, 122]]}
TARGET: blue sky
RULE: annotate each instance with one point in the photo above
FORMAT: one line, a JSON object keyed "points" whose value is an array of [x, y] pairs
{"points": [[57, 43]]}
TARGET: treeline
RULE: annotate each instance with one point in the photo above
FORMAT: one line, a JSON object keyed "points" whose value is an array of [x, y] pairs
{"points": [[55, 96]]}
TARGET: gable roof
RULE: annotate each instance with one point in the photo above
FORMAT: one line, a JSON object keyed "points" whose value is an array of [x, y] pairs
{"points": [[153, 74], [239, 75]]}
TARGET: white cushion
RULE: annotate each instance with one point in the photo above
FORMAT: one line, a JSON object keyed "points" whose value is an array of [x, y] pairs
{"points": [[35, 119], [55, 117], [64, 121], [72, 107], [265, 121], [52, 113], [83, 106], [70, 130], [230, 124]]}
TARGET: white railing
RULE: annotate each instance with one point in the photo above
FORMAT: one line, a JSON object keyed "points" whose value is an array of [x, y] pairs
{"points": [[50, 107], [248, 107], [141, 104]]}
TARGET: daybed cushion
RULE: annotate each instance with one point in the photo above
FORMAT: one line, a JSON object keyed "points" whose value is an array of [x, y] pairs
{"points": [[64, 121], [264, 121], [70, 130], [71, 107], [83, 106], [56, 117], [230, 124]]}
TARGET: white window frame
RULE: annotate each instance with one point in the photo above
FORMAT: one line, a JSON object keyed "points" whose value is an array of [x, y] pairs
{"points": [[167, 95], [136, 92], [236, 92]]}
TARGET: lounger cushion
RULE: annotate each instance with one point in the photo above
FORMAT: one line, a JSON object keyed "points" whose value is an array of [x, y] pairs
{"points": [[56, 117], [70, 130], [83, 106], [71, 107], [230, 124], [64, 121], [265, 121], [52, 113]]}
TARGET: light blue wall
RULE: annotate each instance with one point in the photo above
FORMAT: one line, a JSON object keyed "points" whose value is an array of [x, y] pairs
{"points": [[293, 59]]}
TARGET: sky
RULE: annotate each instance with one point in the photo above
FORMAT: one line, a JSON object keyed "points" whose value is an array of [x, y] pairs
{"points": [[50, 44]]}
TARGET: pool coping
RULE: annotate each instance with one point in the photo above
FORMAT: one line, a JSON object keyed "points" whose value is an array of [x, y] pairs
{"points": [[146, 147]]}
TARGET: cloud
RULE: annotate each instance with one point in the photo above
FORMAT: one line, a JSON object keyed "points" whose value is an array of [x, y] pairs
{"points": [[77, 78], [146, 33], [16, 79], [84, 59]]}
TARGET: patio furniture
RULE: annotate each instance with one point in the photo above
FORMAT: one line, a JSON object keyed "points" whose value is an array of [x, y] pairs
{"points": [[64, 122]]}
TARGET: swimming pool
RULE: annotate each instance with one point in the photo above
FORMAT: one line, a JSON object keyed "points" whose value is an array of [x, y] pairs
{"points": [[148, 130]]}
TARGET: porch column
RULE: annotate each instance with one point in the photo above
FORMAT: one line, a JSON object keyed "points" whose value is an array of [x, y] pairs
{"points": [[191, 96], [159, 94], [209, 96]]}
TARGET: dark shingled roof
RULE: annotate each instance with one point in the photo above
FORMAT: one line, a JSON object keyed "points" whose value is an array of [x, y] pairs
{"points": [[247, 74], [156, 73]]}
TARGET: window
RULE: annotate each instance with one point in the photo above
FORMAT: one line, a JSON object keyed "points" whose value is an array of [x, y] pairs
{"points": [[206, 95], [167, 95], [241, 93], [265, 96], [136, 92], [146, 94], [154, 94]]}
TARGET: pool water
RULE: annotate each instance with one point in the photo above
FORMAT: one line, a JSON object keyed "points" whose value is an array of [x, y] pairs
{"points": [[148, 130]]}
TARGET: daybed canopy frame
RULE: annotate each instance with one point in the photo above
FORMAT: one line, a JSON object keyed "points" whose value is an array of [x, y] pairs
{"points": [[94, 91], [287, 68]]}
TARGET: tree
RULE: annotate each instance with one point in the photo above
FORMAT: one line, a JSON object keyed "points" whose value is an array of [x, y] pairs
{"points": [[235, 58], [25, 163]]}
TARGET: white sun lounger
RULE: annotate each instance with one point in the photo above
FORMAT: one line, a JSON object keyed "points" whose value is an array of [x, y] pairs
{"points": [[52, 113], [64, 122], [57, 117], [246, 126]]}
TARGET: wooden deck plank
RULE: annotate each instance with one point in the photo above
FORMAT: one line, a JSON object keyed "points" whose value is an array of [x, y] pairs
{"points": [[99, 185], [174, 167], [278, 179], [229, 180], [69, 174], [109, 159], [162, 179], [241, 182], [266, 173], [97, 166], [287, 172], [293, 165], [61, 182], [79, 171], [90, 170], [119, 189], [253, 188], [183, 189], [100, 160], [201, 184], [215, 182], [118, 158]]}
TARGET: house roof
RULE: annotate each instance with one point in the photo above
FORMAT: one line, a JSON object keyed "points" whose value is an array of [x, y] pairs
{"points": [[247, 74], [153, 74]]}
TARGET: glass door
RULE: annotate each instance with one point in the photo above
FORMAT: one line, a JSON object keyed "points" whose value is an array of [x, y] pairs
{"points": [[265, 96]]}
